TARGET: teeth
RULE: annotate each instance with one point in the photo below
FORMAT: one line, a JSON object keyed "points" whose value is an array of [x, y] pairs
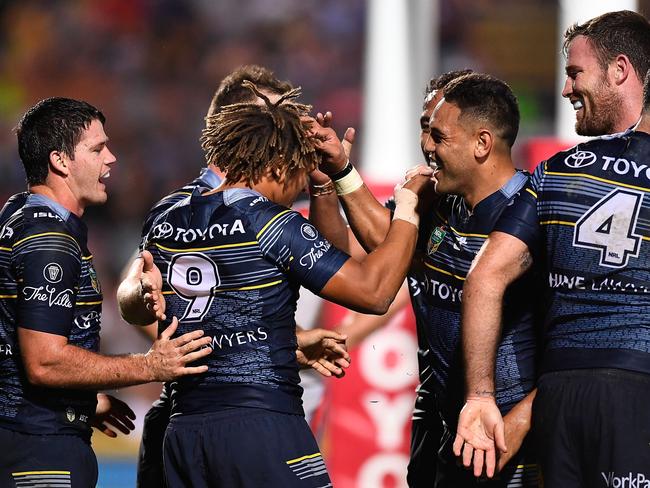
{"points": [[432, 162], [105, 175], [577, 105]]}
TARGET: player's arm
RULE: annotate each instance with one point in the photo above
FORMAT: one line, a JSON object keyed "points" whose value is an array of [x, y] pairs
{"points": [[502, 259], [516, 426], [370, 285], [357, 326], [49, 360], [139, 297], [369, 219]]}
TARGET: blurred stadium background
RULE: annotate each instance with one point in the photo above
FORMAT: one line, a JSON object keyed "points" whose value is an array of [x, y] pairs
{"points": [[153, 65]]}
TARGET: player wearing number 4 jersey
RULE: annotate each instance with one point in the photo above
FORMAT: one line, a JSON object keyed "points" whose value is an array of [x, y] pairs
{"points": [[586, 216], [233, 261]]}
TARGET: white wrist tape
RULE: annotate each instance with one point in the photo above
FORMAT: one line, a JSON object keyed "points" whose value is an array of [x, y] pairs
{"points": [[349, 183], [405, 203]]}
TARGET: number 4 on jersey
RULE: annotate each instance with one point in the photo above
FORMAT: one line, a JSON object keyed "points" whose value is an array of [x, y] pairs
{"points": [[193, 276], [609, 226]]}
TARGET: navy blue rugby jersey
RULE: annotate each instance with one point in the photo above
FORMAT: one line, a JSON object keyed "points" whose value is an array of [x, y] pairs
{"points": [[232, 265], [207, 180], [47, 284], [587, 219], [449, 240]]}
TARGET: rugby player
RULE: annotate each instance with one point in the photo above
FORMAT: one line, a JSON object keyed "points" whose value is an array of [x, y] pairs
{"points": [[582, 219], [473, 125], [230, 90], [50, 306], [235, 260]]}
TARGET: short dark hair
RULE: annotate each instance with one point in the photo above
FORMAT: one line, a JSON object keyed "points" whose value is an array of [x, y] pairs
{"points": [[232, 91], [440, 81], [53, 124], [646, 92], [623, 32], [250, 140], [484, 97]]}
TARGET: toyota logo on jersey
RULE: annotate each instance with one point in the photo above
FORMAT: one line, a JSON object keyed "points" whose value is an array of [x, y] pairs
{"points": [[580, 159]]}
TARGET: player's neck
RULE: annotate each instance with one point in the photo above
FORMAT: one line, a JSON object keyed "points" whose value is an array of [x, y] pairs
{"points": [[644, 123], [62, 196], [267, 187], [487, 181]]}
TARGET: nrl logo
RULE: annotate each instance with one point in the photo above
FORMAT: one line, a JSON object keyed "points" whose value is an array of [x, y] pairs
{"points": [[70, 414], [435, 239], [93, 279]]}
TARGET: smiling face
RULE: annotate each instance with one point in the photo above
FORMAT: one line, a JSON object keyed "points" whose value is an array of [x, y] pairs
{"points": [[425, 136], [91, 165], [591, 91], [450, 148]]}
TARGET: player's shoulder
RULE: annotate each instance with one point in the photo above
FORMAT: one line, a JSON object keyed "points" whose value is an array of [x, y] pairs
{"points": [[585, 154], [41, 217], [257, 208]]}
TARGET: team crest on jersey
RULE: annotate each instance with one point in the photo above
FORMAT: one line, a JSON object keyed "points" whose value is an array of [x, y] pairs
{"points": [[94, 281], [70, 414], [435, 239], [53, 272]]}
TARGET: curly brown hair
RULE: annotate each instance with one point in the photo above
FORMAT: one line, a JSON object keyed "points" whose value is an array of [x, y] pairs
{"points": [[249, 141]]}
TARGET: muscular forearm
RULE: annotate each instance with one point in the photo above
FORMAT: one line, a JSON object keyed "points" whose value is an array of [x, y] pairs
{"points": [[74, 367], [368, 219], [324, 213]]}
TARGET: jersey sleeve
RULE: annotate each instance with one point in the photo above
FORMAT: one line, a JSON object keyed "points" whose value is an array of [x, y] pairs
{"points": [[520, 220], [47, 267], [295, 246]]}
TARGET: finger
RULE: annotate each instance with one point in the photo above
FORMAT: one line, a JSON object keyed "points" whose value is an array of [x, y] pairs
{"points": [[478, 462], [106, 431], [322, 370], [187, 337], [122, 408], [348, 141], [147, 261], [332, 334], [320, 118], [328, 119], [458, 445], [193, 356], [195, 345], [169, 331], [468, 452], [125, 428], [500, 437], [490, 462], [342, 362], [330, 366], [135, 270], [188, 370]]}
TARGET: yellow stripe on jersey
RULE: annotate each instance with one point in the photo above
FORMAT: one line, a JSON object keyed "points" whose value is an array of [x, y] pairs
{"points": [[252, 287], [531, 192], [558, 222], [271, 221], [23, 473], [596, 178], [224, 246], [88, 303], [46, 234], [297, 460], [444, 272], [467, 235], [86, 258], [5, 249], [8, 296]]}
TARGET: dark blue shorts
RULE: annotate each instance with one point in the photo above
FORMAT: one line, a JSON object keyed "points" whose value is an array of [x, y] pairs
{"points": [[64, 461], [426, 434], [242, 448], [150, 468]]}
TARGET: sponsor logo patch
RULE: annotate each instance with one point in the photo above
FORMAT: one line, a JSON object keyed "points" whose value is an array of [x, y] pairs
{"points": [[70, 414], [308, 231], [314, 254], [53, 272], [85, 321], [50, 295], [580, 159], [94, 281], [162, 231]]}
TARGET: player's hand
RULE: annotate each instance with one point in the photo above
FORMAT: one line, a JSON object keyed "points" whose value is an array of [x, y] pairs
{"points": [[151, 282], [168, 358], [323, 350], [479, 434], [517, 425], [420, 169], [325, 120], [326, 141], [112, 414]]}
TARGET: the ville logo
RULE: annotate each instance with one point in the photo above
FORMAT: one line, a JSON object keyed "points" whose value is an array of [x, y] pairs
{"points": [[580, 159], [53, 272], [630, 480]]}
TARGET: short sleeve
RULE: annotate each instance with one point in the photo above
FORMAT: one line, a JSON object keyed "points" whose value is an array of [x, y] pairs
{"points": [[47, 266], [295, 246], [520, 220]]}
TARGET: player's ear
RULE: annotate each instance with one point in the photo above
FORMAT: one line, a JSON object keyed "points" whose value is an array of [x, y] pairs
{"points": [[622, 68], [484, 142], [59, 163]]}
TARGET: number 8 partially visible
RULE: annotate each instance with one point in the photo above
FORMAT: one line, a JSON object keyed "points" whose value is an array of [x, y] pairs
{"points": [[193, 276]]}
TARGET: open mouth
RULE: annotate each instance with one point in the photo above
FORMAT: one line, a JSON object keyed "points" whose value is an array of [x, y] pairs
{"points": [[105, 175], [577, 104]]}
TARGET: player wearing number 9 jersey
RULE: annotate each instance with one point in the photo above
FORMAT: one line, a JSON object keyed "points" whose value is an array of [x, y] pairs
{"points": [[233, 261], [586, 217]]}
